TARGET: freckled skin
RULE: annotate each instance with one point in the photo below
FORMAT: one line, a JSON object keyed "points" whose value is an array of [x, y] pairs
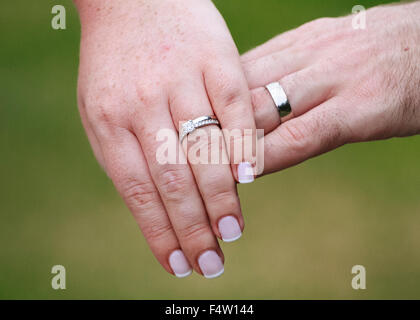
{"points": [[145, 65]]}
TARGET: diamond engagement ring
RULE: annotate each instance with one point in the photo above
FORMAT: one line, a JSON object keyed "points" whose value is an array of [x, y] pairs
{"points": [[191, 125]]}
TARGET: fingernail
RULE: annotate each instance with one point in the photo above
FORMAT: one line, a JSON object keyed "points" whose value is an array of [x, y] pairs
{"points": [[211, 265], [245, 172], [179, 264], [229, 229]]}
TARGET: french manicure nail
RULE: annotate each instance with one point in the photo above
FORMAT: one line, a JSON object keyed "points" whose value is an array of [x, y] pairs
{"points": [[211, 265], [245, 172], [179, 264], [229, 229]]}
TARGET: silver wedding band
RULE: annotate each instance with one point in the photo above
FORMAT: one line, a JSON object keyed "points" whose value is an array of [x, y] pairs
{"points": [[279, 97], [191, 125]]}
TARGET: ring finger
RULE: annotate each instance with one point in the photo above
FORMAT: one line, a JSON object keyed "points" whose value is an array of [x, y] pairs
{"points": [[207, 155], [304, 89]]}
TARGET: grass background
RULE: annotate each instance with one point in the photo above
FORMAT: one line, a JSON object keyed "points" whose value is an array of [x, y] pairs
{"points": [[306, 226]]}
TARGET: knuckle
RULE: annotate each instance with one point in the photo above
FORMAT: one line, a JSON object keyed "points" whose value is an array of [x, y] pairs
{"points": [[102, 114], [174, 183], [229, 92], [291, 81], [101, 103], [148, 95], [156, 230], [329, 68], [333, 132], [296, 135], [139, 195], [325, 30], [223, 198], [231, 97], [260, 98], [194, 230], [330, 128]]}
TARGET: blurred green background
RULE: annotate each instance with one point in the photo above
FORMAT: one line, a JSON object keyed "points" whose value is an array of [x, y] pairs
{"points": [[306, 226]]}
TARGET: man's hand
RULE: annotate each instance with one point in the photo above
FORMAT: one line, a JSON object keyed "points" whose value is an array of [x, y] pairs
{"points": [[344, 85]]}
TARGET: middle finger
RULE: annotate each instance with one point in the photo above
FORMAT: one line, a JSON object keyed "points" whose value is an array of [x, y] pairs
{"points": [[211, 167]]}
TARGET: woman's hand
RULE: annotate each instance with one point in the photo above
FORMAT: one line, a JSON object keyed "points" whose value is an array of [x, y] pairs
{"points": [[344, 85], [146, 66]]}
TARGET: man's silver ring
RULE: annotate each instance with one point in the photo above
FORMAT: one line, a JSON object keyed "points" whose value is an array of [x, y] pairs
{"points": [[279, 97], [191, 125]]}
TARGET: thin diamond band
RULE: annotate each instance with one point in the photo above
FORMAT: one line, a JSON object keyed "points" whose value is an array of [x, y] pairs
{"points": [[191, 125]]}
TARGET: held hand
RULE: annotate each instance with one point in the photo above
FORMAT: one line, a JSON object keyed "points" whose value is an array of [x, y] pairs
{"points": [[146, 66], [343, 85]]}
